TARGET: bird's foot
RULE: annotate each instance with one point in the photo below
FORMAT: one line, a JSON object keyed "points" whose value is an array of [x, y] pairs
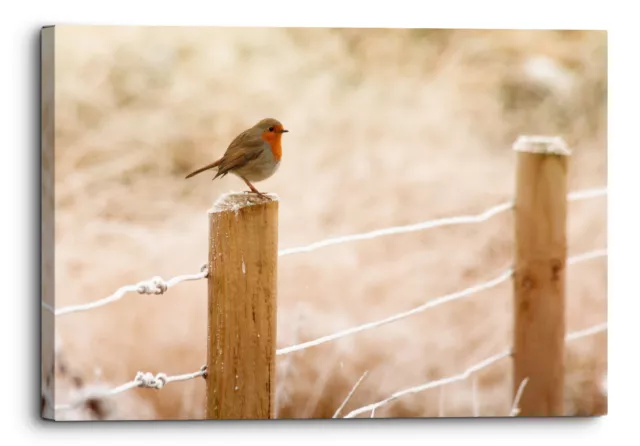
{"points": [[258, 193]]}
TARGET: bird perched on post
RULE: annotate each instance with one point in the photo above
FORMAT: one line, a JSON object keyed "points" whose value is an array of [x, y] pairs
{"points": [[254, 155]]}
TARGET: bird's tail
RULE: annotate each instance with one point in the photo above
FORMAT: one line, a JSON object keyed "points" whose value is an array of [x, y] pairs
{"points": [[202, 169]]}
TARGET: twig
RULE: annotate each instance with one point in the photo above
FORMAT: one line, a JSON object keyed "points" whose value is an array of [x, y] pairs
{"points": [[287, 363], [460, 377], [474, 395], [464, 375], [346, 400], [441, 402], [515, 410]]}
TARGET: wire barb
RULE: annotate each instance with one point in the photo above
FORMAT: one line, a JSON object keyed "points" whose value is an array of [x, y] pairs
{"points": [[156, 285], [149, 381], [142, 379]]}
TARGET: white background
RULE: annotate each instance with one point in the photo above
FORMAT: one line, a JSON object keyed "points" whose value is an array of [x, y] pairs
{"points": [[19, 107]]}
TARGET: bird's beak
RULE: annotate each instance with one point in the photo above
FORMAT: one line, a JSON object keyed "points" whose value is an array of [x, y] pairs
{"points": [[284, 131]]}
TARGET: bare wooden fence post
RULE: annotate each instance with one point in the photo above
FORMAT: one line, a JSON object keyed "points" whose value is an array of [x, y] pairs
{"points": [[539, 274], [241, 351]]}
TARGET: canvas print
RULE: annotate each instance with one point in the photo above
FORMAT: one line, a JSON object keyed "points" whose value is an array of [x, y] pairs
{"points": [[300, 223]]}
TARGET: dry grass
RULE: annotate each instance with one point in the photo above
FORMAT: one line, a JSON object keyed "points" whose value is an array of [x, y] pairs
{"points": [[387, 127]]}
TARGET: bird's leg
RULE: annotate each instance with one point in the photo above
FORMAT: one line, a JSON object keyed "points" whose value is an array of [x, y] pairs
{"points": [[253, 189]]}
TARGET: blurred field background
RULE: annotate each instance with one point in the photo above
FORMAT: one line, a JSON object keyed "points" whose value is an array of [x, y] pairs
{"points": [[387, 127]]}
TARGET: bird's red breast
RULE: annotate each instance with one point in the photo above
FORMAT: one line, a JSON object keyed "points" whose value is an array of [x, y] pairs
{"points": [[274, 139]]}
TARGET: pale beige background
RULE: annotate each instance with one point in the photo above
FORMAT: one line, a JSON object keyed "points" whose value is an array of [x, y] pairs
{"points": [[387, 127]]}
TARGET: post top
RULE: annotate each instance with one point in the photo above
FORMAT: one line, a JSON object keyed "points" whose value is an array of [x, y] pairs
{"points": [[552, 145], [234, 201]]}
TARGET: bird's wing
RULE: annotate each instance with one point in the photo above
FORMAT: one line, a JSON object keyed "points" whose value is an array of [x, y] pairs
{"points": [[245, 147]]}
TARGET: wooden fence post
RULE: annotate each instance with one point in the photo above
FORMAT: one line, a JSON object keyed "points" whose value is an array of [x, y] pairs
{"points": [[539, 274], [241, 350]]}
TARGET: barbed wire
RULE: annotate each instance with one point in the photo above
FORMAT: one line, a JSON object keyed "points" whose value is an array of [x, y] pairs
{"points": [[586, 256], [447, 221], [142, 379], [586, 332], [585, 194], [430, 385], [430, 304], [430, 224], [466, 374], [158, 381], [155, 285]]}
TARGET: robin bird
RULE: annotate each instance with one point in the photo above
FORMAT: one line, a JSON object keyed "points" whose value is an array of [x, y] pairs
{"points": [[254, 155]]}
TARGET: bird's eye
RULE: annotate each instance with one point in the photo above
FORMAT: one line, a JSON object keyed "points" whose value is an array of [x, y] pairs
{"points": [[271, 129]]}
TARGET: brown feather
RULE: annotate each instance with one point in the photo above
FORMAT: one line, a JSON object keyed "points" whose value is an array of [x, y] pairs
{"points": [[207, 167], [247, 146]]}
